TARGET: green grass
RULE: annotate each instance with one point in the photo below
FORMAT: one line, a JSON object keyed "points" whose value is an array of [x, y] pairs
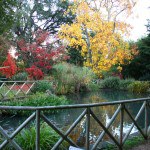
{"points": [[130, 143]]}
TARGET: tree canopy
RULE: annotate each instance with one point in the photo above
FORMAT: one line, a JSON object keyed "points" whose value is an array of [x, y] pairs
{"points": [[7, 8], [47, 15], [4, 47], [101, 42], [139, 68]]}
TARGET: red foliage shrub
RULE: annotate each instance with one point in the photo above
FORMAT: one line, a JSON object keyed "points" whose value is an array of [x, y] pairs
{"points": [[35, 73], [41, 53], [9, 67]]}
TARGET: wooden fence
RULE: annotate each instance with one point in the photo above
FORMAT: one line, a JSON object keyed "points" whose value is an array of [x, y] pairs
{"points": [[39, 116], [15, 89]]}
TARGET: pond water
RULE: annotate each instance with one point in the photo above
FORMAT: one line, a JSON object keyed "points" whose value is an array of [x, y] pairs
{"points": [[65, 118], [105, 95]]}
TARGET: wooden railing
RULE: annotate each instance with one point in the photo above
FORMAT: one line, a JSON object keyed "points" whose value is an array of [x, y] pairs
{"points": [[15, 89], [87, 113]]}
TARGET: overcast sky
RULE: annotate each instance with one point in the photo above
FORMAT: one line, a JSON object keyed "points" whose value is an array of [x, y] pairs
{"points": [[139, 19]]}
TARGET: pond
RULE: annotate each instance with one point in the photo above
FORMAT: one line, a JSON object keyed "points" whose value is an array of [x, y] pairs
{"points": [[65, 118]]}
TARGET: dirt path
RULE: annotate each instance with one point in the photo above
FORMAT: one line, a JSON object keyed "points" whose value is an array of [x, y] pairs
{"points": [[144, 146]]}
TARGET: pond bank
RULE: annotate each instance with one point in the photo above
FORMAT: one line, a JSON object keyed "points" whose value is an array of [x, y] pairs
{"points": [[144, 146]]}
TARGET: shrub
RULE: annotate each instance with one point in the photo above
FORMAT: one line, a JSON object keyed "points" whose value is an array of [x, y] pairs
{"points": [[10, 71], [139, 87], [42, 86], [110, 83], [125, 83], [48, 138], [38, 99], [93, 86], [145, 77], [71, 78], [22, 76], [35, 73]]}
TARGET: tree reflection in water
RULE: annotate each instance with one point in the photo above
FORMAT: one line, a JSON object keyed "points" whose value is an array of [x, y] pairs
{"points": [[64, 119]]}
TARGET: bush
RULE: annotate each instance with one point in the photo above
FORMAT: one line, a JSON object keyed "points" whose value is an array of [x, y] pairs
{"points": [[22, 76], [71, 78], [48, 138], [42, 86], [35, 73], [38, 99], [145, 77], [125, 83], [139, 86], [110, 83], [93, 86]]}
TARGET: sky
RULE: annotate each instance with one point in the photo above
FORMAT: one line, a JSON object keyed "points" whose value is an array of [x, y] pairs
{"points": [[138, 20]]}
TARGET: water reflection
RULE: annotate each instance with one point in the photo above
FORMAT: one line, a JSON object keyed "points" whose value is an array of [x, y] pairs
{"points": [[104, 114], [106, 95], [64, 119]]}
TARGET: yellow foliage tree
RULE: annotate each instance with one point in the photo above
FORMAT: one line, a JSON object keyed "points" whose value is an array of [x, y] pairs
{"points": [[101, 39]]}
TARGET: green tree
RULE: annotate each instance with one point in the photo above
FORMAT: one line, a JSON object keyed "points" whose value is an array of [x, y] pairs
{"points": [[47, 15], [4, 46], [144, 57], [7, 8], [75, 56], [139, 68]]}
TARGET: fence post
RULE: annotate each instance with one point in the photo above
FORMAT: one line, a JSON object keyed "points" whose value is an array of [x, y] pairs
{"points": [[37, 130], [146, 120], [87, 128], [121, 124]]}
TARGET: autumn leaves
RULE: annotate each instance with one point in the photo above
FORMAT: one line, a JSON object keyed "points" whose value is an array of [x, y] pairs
{"points": [[101, 39]]}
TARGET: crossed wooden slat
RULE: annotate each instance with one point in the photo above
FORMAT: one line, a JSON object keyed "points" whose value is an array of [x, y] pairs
{"points": [[65, 136], [20, 89], [10, 138], [89, 112]]}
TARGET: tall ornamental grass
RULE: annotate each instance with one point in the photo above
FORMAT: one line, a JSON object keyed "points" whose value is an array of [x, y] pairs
{"points": [[71, 78], [48, 138]]}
